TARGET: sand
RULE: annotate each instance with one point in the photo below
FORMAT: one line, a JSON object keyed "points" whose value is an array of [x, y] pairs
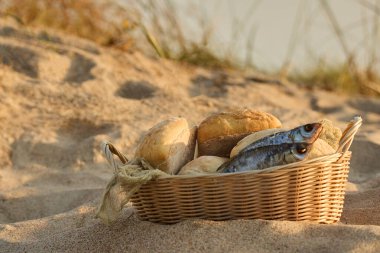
{"points": [[62, 96]]}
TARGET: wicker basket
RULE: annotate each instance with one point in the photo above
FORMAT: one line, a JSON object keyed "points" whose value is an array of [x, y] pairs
{"points": [[310, 190]]}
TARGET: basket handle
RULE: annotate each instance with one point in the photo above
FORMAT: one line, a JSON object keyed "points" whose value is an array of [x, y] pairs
{"points": [[348, 135], [109, 150]]}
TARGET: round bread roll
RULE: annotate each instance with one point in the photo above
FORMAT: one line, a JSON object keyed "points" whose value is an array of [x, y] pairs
{"points": [[252, 138], [220, 132], [330, 133], [168, 145], [320, 148], [202, 165]]}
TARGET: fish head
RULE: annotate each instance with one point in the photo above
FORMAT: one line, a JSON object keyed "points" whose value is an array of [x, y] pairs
{"points": [[308, 133], [299, 151]]}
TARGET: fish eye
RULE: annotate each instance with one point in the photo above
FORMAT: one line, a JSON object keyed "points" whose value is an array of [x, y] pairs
{"points": [[301, 150], [308, 128]]}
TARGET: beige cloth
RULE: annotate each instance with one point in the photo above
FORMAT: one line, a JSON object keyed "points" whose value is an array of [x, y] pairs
{"points": [[126, 181]]}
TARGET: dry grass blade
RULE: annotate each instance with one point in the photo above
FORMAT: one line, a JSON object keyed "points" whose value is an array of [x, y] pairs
{"points": [[337, 29], [371, 6], [153, 42]]}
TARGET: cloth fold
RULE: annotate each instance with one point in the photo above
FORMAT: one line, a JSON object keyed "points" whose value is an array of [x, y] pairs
{"points": [[126, 181]]}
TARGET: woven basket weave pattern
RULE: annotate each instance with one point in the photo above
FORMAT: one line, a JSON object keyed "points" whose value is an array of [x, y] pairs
{"points": [[301, 193], [310, 190]]}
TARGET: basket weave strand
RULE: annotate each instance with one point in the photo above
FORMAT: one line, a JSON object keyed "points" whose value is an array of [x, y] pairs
{"points": [[310, 190]]}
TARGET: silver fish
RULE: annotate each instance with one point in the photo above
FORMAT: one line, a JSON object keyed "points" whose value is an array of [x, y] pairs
{"points": [[265, 157], [303, 134]]}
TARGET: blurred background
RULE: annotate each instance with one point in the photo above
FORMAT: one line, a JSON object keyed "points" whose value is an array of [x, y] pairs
{"points": [[330, 44]]}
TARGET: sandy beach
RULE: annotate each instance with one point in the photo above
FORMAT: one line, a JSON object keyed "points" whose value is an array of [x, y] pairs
{"points": [[62, 96]]}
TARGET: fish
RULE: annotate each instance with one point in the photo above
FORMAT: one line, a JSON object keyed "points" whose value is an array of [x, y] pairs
{"points": [[266, 156], [308, 133]]}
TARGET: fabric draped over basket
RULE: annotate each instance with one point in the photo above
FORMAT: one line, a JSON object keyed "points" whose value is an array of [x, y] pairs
{"points": [[126, 181]]}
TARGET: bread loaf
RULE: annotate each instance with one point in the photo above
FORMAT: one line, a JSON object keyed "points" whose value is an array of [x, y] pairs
{"points": [[320, 148], [219, 133], [330, 133], [168, 145], [202, 165]]}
